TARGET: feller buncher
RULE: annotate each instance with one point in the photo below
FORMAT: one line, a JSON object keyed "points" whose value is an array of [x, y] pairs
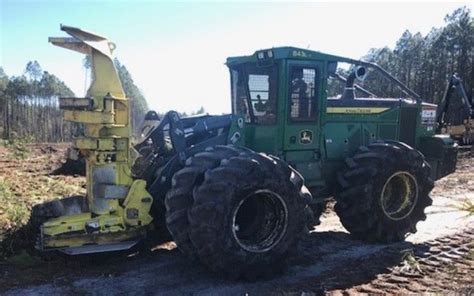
{"points": [[237, 191]]}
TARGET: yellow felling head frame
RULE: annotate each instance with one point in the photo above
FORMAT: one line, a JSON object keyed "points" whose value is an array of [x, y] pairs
{"points": [[118, 203]]}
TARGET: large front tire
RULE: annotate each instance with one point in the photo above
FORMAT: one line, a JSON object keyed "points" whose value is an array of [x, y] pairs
{"points": [[180, 197], [247, 216], [384, 192]]}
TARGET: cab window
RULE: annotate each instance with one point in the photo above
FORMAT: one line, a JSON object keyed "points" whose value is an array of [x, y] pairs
{"points": [[303, 92], [254, 93]]}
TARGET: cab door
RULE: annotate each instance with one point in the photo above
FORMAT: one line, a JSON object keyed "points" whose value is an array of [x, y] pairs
{"points": [[303, 105]]}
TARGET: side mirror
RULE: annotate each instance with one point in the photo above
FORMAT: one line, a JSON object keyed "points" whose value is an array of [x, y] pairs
{"points": [[361, 73]]}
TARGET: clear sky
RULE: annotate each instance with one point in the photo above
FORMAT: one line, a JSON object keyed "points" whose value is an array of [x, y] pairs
{"points": [[176, 51]]}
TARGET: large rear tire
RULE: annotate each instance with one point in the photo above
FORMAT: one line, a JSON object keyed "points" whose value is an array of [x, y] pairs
{"points": [[247, 215], [384, 192]]}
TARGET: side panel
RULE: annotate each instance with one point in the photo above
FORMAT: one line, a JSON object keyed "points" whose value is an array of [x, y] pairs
{"points": [[263, 138], [343, 133], [341, 138]]}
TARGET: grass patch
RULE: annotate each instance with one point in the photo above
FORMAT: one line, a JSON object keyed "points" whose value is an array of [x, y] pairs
{"points": [[18, 146], [467, 206], [19, 151], [409, 262], [13, 212]]}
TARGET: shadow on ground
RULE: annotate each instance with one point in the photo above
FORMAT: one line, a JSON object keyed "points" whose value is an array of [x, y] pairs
{"points": [[323, 261]]}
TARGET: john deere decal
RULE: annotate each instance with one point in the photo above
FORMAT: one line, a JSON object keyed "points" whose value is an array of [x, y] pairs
{"points": [[306, 137]]}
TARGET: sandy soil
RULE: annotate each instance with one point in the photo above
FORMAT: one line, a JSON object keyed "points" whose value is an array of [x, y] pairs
{"points": [[439, 258]]}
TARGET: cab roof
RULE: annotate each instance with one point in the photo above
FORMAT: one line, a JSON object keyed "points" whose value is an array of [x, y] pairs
{"points": [[288, 52]]}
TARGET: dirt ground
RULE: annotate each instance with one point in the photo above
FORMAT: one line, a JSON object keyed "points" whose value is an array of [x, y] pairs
{"points": [[25, 180], [439, 258]]}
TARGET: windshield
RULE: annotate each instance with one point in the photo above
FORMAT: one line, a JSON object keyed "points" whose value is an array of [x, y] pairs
{"points": [[255, 87]]}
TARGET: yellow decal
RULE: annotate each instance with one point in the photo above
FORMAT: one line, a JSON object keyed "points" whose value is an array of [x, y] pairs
{"points": [[363, 110]]}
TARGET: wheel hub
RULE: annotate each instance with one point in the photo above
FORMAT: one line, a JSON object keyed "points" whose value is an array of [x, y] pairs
{"points": [[260, 221], [399, 195]]}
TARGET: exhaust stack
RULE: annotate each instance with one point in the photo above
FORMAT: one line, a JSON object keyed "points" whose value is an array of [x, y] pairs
{"points": [[349, 90]]}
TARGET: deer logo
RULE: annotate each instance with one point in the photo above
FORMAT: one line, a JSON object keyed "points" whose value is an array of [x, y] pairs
{"points": [[306, 137]]}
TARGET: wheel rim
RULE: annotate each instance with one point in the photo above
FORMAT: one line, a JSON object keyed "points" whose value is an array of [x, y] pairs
{"points": [[260, 220], [399, 195]]}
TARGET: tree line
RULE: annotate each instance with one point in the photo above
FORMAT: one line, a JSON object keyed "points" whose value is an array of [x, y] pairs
{"points": [[138, 103], [425, 63], [29, 105]]}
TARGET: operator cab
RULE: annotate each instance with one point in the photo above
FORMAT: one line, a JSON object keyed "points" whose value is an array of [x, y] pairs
{"points": [[259, 80], [282, 94], [256, 85]]}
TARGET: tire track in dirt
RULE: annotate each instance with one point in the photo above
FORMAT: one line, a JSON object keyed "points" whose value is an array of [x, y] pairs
{"points": [[437, 266]]}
